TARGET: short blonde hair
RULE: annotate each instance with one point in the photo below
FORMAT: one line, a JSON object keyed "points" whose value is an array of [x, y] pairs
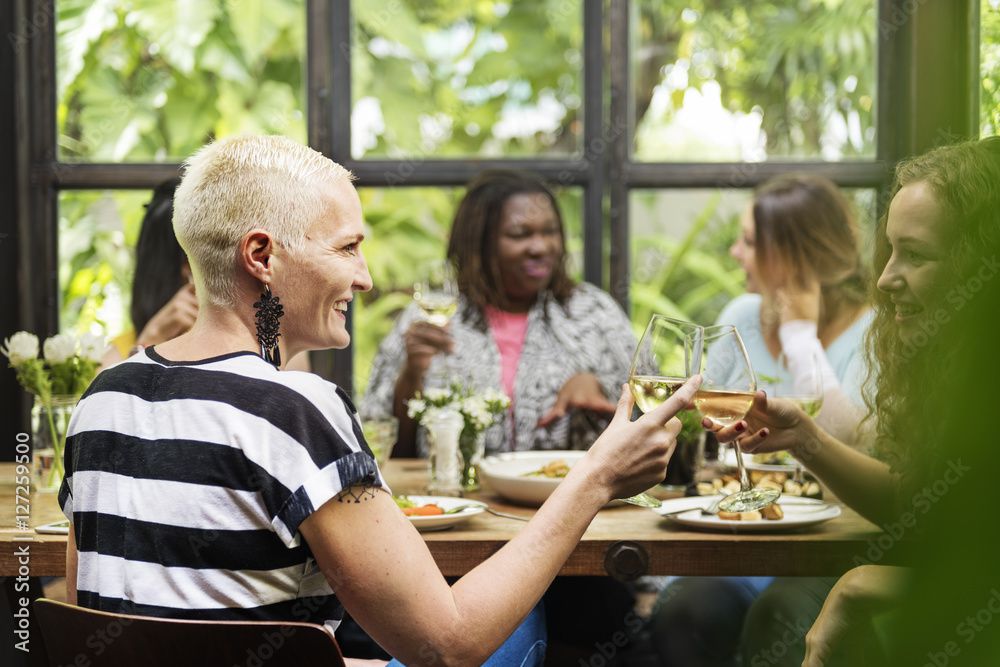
{"points": [[241, 183]]}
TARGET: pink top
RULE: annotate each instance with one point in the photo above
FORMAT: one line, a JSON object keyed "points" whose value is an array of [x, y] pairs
{"points": [[508, 331]]}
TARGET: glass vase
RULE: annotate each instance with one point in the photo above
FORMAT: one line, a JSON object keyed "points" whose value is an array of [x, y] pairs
{"points": [[49, 423], [473, 447], [445, 462]]}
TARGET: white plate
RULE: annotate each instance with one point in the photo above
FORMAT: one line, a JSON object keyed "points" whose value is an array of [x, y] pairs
{"points": [[729, 460], [442, 521], [57, 528], [799, 513], [504, 474]]}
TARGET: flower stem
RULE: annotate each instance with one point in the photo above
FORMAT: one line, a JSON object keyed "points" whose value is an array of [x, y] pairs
{"points": [[58, 444]]}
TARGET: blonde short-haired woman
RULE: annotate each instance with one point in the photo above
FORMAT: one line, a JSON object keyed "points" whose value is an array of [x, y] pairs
{"points": [[204, 482]]}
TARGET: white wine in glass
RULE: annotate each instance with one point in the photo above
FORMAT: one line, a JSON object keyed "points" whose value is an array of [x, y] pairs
{"points": [[436, 292], [650, 391], [660, 365], [726, 396], [802, 384], [724, 407]]}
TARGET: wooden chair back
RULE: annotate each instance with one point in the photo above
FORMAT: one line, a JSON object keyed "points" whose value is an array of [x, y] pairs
{"points": [[78, 636]]}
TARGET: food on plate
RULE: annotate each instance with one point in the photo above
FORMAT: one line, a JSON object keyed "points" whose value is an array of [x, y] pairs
{"points": [[777, 479], [781, 458], [773, 512], [553, 469], [740, 516], [410, 508], [770, 513], [423, 510], [761, 480]]}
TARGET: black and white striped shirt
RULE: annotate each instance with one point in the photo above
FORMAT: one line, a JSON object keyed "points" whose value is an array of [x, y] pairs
{"points": [[187, 481]]}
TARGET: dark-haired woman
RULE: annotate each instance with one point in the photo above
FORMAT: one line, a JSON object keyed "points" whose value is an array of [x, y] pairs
{"points": [[164, 304], [559, 349]]}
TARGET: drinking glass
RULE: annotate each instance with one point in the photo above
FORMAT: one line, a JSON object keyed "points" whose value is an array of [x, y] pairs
{"points": [[436, 292], [667, 350], [802, 386], [725, 397]]}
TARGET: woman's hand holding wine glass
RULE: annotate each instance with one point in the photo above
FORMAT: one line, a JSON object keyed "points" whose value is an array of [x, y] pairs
{"points": [[667, 351], [726, 395], [436, 292]]}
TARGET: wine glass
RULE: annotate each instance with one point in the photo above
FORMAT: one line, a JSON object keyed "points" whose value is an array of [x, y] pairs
{"points": [[726, 395], [802, 384], [659, 367], [436, 292]]}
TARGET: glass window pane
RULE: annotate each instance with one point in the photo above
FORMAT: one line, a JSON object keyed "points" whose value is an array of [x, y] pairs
{"points": [[989, 66], [752, 81], [475, 77], [147, 80], [679, 250], [408, 226], [97, 236]]}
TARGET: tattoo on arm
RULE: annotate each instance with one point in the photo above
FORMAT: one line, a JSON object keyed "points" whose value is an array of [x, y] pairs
{"points": [[363, 490]]}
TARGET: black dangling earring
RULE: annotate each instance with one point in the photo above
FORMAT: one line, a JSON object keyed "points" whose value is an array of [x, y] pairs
{"points": [[269, 311]]}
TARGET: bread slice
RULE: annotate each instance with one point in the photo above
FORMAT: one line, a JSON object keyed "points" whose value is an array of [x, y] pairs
{"points": [[740, 516], [773, 512]]}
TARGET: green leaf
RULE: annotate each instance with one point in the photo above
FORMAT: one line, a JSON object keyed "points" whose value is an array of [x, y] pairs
{"points": [[177, 27], [80, 24], [392, 20]]}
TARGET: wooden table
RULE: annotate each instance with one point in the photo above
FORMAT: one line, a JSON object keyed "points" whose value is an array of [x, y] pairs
{"points": [[624, 541]]}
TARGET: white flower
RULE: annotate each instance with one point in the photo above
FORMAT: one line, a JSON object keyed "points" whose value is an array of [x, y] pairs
{"points": [[92, 347], [59, 348], [20, 347], [496, 398], [414, 407], [435, 396]]}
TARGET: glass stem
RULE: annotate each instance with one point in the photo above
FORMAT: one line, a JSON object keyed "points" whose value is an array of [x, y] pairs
{"points": [[438, 376], [744, 478], [58, 444]]}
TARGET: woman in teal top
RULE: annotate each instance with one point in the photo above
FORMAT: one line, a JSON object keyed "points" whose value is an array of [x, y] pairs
{"points": [[799, 248]]}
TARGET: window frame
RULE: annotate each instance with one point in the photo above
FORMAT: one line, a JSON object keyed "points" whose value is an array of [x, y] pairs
{"points": [[910, 118]]}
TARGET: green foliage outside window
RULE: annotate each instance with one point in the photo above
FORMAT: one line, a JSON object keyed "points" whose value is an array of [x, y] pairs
{"points": [[728, 80], [448, 78], [989, 68], [153, 80], [150, 80]]}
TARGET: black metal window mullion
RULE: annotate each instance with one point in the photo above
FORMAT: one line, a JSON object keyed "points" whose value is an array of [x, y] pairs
{"points": [[594, 141], [620, 135], [910, 118]]}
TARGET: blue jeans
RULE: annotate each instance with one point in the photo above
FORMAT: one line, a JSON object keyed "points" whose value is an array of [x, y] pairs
{"points": [[524, 648]]}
